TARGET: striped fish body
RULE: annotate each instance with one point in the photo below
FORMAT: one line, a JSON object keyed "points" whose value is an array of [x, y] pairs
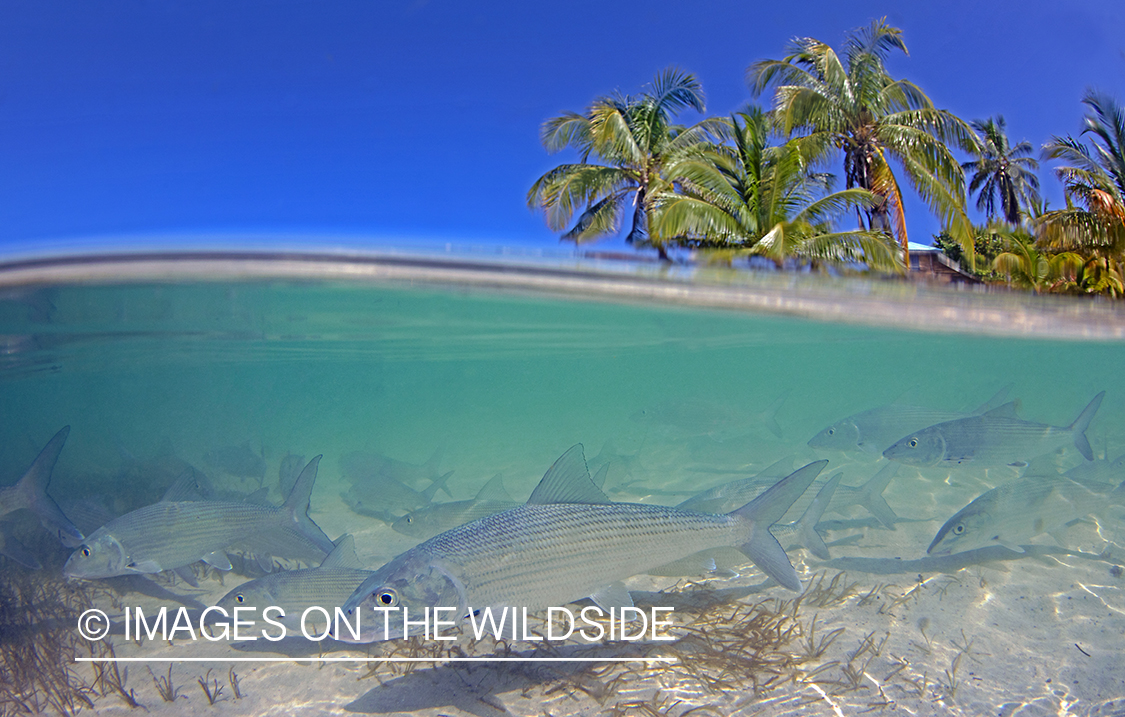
{"points": [[876, 430], [991, 439], [536, 556], [1015, 512], [296, 590], [437, 518], [172, 534], [166, 536], [540, 555]]}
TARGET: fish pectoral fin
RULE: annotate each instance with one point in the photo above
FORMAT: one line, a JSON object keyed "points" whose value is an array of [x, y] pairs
{"points": [[144, 566], [217, 560], [612, 596]]}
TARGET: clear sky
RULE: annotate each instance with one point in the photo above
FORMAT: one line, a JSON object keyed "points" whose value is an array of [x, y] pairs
{"points": [[419, 120]]}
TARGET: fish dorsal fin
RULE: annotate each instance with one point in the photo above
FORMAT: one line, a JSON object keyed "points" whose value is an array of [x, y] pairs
{"points": [[568, 481], [612, 596], [187, 487], [343, 555], [600, 476], [778, 469], [1008, 410], [994, 402], [494, 490]]}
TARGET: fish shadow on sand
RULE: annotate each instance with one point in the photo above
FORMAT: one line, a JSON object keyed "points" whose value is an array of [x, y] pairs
{"points": [[957, 561], [473, 688]]}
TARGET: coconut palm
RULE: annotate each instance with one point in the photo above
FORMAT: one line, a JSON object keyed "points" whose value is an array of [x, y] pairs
{"points": [[854, 105], [1026, 266], [635, 138], [750, 198], [1002, 174], [1093, 221]]}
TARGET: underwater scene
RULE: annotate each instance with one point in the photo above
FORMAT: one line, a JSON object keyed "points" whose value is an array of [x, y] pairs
{"points": [[623, 506]]}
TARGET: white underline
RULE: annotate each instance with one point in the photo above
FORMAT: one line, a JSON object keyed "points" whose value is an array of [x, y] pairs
{"points": [[375, 659]]}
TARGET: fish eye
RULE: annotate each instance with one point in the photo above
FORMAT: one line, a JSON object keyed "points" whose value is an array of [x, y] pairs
{"points": [[831, 431], [958, 529], [913, 442], [409, 519], [239, 598], [85, 552], [386, 597]]}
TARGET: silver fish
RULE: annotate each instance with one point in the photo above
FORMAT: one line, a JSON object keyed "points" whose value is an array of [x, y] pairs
{"points": [[568, 542], [359, 467], [800, 533], [30, 492], [995, 438], [1015, 512], [429, 520], [877, 429], [698, 417], [170, 535], [327, 586], [382, 497], [728, 496], [240, 461]]}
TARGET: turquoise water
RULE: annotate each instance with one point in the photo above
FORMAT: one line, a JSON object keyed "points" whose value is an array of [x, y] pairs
{"points": [[153, 374]]}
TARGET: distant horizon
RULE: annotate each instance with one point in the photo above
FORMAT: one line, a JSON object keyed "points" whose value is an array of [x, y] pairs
{"points": [[421, 121]]}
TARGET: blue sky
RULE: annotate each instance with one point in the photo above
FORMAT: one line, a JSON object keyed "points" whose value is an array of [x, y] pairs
{"points": [[419, 121]]}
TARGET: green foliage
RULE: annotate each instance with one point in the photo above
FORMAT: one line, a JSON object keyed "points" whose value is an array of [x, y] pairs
{"points": [[853, 104], [1094, 178], [635, 139], [1002, 174], [987, 245], [754, 198]]}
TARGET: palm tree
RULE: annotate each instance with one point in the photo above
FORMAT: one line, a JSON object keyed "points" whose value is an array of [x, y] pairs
{"points": [[1028, 267], [855, 106], [1002, 172], [634, 137], [750, 198], [1093, 221]]}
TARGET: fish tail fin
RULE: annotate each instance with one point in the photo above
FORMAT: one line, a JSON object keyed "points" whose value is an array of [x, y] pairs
{"points": [[32, 491], [438, 484], [870, 496], [770, 414], [765, 510], [14, 549], [1082, 423], [296, 507], [807, 536]]}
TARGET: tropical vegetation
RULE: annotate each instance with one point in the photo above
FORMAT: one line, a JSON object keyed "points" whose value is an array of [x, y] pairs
{"points": [[758, 184], [1003, 174], [853, 104]]}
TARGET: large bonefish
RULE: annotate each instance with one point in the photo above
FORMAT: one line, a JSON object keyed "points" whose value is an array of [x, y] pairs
{"points": [[566, 543]]}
